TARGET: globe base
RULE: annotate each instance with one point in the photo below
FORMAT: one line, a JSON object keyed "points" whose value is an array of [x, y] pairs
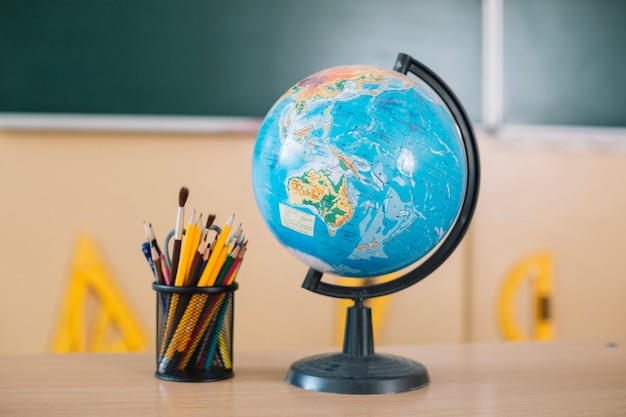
{"points": [[341, 373]]}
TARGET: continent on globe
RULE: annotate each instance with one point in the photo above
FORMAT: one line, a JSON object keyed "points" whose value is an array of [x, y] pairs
{"points": [[330, 200]]}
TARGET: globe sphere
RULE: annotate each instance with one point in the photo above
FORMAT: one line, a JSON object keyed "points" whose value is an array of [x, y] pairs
{"points": [[359, 171]]}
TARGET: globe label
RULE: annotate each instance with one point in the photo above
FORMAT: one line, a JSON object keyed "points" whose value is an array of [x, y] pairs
{"points": [[296, 220]]}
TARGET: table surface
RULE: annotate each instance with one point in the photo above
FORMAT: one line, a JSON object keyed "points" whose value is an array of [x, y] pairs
{"points": [[500, 379]]}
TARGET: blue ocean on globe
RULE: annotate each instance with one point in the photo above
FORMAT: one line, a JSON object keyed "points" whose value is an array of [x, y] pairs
{"points": [[359, 171]]}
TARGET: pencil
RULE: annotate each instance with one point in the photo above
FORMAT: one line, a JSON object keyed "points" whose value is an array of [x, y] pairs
{"points": [[153, 239], [155, 253], [211, 307], [156, 259], [222, 307], [205, 258], [166, 271], [183, 194], [230, 259], [210, 272], [189, 245], [186, 324], [232, 274], [196, 263], [204, 250]]}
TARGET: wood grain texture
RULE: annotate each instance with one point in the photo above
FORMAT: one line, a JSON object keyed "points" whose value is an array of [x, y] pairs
{"points": [[514, 379]]}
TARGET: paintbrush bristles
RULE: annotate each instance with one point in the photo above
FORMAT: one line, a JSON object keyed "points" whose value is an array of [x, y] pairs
{"points": [[210, 220], [182, 196]]}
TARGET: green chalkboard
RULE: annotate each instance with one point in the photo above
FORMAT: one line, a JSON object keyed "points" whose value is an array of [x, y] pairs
{"points": [[224, 58], [565, 62]]}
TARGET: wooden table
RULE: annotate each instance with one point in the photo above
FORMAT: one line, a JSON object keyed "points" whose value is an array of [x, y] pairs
{"points": [[509, 379]]}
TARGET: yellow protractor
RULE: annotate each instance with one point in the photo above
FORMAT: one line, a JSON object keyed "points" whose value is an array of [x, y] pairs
{"points": [[536, 269]]}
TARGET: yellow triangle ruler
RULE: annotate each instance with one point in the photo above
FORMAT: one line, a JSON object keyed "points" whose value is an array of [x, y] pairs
{"points": [[95, 317]]}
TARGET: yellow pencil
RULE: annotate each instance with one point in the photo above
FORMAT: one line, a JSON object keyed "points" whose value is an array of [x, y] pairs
{"points": [[190, 244], [210, 272], [224, 352], [203, 324], [187, 323]]}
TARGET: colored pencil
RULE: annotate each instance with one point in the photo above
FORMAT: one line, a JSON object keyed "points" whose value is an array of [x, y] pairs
{"points": [[210, 272]]}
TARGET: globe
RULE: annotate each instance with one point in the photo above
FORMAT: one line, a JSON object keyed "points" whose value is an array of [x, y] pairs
{"points": [[359, 171]]}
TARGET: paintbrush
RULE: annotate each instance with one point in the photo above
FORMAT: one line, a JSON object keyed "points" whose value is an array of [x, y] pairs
{"points": [[178, 231]]}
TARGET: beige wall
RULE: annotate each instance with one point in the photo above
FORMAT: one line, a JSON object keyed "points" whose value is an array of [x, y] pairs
{"points": [[570, 201], [57, 185]]}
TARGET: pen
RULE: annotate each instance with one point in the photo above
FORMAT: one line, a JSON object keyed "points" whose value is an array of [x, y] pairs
{"points": [[145, 248]]}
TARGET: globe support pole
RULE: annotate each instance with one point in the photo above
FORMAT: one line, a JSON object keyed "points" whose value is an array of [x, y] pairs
{"points": [[358, 369], [358, 338]]}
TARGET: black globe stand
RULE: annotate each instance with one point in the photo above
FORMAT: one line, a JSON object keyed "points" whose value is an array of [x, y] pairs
{"points": [[358, 369]]}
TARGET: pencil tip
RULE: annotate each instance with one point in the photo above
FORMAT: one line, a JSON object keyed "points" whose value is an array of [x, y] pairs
{"points": [[146, 229], [182, 196]]}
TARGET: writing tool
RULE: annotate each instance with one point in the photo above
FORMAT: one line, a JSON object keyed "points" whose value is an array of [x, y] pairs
{"points": [[223, 350], [196, 263], [169, 322], [199, 326], [153, 239], [166, 271], [146, 231], [207, 327], [230, 259], [145, 248], [156, 259], [234, 269], [205, 258], [186, 324], [223, 306], [155, 254], [210, 272], [234, 237], [233, 241], [185, 337], [189, 245], [232, 274], [183, 194]]}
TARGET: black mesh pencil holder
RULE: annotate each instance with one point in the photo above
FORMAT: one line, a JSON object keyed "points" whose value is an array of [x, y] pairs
{"points": [[194, 332]]}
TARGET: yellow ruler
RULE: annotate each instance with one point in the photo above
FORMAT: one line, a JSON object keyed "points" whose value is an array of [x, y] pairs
{"points": [[94, 316]]}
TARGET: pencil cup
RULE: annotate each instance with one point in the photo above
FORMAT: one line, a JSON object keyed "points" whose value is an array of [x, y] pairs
{"points": [[194, 332]]}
